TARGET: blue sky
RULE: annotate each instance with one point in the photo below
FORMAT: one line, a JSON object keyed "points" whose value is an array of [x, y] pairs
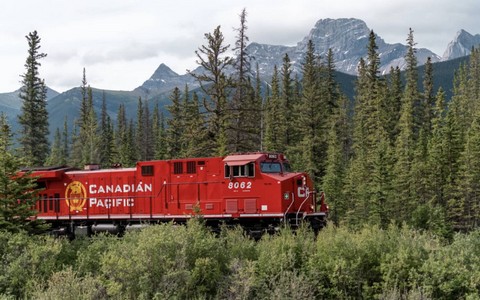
{"points": [[122, 42]]}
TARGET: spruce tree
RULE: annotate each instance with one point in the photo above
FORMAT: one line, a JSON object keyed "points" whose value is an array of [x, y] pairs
{"points": [[369, 176], [33, 119], [469, 178], [215, 84], [55, 157], [106, 146], [175, 127], [405, 197], [194, 131], [307, 117], [272, 137], [158, 132], [287, 133], [242, 104], [18, 193]]}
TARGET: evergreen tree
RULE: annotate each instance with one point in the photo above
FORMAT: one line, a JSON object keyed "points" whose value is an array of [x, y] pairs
{"points": [[244, 107], [106, 146], [287, 104], [428, 96], [469, 178], [90, 133], [122, 142], [175, 127], [194, 131], [55, 157], [337, 159], [272, 138], [369, 176], [393, 103], [158, 132], [86, 141], [33, 119], [461, 114], [18, 193], [65, 143], [307, 118], [436, 164], [141, 134], [405, 197], [215, 84]]}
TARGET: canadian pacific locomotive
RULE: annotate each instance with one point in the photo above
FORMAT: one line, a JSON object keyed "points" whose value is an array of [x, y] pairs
{"points": [[255, 190]]}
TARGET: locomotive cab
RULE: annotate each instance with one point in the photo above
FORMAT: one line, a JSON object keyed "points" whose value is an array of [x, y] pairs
{"points": [[280, 191]]}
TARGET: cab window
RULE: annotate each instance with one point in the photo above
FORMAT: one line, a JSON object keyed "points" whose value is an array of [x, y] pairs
{"points": [[247, 170]]}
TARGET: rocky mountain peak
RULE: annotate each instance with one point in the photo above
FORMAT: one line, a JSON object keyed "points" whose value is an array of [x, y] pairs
{"points": [[461, 45]]}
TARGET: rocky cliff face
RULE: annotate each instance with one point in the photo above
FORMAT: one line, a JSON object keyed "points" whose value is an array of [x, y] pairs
{"points": [[461, 45], [348, 39]]}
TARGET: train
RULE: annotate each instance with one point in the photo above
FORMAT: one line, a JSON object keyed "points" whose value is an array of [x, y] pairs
{"points": [[257, 191]]}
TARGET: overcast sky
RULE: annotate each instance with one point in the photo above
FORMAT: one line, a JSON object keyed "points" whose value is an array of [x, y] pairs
{"points": [[120, 43]]}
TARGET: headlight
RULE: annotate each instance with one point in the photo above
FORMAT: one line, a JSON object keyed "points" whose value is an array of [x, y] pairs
{"points": [[286, 196]]}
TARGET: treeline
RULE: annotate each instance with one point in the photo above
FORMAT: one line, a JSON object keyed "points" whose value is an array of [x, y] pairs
{"points": [[190, 262], [398, 153]]}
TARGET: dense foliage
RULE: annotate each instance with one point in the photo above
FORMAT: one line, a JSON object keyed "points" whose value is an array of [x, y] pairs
{"points": [[190, 262]]}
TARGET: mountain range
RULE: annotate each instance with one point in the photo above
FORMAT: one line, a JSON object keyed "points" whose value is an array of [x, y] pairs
{"points": [[347, 37]]}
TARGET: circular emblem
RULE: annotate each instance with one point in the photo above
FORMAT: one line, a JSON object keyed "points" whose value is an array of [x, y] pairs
{"points": [[75, 195]]}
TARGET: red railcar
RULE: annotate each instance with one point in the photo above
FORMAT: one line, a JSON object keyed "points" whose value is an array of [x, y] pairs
{"points": [[255, 190]]}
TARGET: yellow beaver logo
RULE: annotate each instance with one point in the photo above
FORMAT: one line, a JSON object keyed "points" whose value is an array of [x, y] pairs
{"points": [[75, 195]]}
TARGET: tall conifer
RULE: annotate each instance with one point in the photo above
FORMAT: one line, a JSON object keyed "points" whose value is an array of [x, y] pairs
{"points": [[33, 119]]}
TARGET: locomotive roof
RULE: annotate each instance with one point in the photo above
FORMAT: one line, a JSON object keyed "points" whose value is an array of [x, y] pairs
{"points": [[242, 159]]}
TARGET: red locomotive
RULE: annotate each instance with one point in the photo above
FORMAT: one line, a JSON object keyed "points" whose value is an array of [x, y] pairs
{"points": [[255, 190]]}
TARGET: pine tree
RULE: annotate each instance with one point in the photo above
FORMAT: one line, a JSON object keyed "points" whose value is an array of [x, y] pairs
{"points": [[461, 114], [393, 103], [175, 127], [245, 112], [65, 143], [272, 138], [158, 132], [307, 118], [215, 84], [55, 157], [91, 148], [436, 164], [405, 197], [86, 140], [33, 120], [194, 131], [122, 143], [286, 134], [106, 146], [369, 176], [18, 193], [469, 177], [336, 164], [141, 131]]}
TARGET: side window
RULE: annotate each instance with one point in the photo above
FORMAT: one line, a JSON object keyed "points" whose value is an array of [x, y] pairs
{"points": [[247, 170]]}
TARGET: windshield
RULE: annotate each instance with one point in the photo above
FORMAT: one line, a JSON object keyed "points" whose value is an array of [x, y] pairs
{"points": [[271, 167]]}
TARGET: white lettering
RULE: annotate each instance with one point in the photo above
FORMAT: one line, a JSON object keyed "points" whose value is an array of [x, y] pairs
{"points": [[111, 202], [101, 190], [125, 188]]}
